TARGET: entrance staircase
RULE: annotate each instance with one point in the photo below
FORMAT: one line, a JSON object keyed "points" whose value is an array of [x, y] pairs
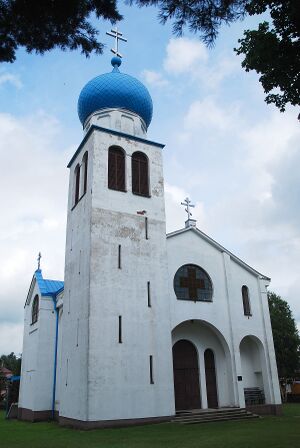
{"points": [[212, 415]]}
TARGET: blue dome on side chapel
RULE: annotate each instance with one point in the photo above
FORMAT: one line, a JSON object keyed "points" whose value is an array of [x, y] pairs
{"points": [[115, 90]]}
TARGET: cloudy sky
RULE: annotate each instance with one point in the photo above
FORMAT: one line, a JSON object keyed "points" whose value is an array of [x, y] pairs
{"points": [[236, 157]]}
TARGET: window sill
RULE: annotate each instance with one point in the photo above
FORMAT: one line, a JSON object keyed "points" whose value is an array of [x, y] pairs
{"points": [[195, 301], [116, 189], [78, 201], [142, 195]]}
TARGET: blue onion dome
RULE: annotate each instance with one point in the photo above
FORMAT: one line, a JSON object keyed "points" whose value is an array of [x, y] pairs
{"points": [[115, 90]]}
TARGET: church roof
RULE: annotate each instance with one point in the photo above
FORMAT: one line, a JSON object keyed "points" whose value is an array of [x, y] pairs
{"points": [[219, 247], [115, 90], [48, 287]]}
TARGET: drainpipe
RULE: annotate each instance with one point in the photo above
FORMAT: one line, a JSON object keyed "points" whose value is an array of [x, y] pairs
{"points": [[55, 356]]}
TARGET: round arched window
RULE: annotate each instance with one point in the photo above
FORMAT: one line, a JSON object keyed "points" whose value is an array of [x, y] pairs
{"points": [[192, 283]]}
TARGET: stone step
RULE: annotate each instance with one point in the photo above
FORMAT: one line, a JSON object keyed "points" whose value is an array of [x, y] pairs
{"points": [[183, 414], [219, 419], [208, 416], [199, 416]]}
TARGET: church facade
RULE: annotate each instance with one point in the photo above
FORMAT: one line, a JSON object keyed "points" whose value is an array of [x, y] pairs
{"points": [[144, 324]]}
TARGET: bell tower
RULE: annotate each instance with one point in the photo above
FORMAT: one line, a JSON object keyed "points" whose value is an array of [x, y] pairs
{"points": [[116, 346]]}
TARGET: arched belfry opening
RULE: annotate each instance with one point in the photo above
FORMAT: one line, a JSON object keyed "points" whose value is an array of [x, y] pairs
{"points": [[140, 174], [186, 376]]}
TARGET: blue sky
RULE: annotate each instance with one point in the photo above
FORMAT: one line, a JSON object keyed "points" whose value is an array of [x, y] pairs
{"points": [[236, 157]]}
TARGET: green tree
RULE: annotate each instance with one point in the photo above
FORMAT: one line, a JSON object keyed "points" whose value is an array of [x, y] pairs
{"points": [[285, 335], [43, 25], [11, 362], [273, 50]]}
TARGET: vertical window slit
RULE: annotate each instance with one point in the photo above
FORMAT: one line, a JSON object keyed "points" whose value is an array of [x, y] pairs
{"points": [[120, 329], [67, 371], [77, 335], [149, 294], [146, 228], [151, 369], [119, 256], [69, 297]]}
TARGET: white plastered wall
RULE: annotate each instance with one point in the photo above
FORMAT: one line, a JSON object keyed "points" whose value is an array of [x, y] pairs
{"points": [[225, 312], [38, 355], [110, 380]]}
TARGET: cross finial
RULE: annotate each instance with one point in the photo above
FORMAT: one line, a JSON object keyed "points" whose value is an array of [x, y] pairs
{"points": [[117, 36], [39, 260], [187, 203]]}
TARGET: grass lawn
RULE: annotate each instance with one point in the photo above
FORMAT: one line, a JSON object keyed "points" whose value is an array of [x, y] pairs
{"points": [[267, 432]]}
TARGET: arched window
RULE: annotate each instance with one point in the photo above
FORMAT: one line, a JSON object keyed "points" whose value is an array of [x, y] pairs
{"points": [[85, 171], [35, 310], [116, 168], [192, 283], [246, 300], [77, 184], [140, 181]]}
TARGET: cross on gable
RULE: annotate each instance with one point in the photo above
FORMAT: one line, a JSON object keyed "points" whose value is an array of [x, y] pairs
{"points": [[192, 283]]}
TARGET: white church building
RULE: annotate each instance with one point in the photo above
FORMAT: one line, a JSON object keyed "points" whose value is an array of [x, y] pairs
{"points": [[145, 324]]}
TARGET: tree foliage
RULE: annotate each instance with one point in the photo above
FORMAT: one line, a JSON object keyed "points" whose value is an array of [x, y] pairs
{"points": [[273, 50], [11, 362], [43, 25], [285, 335]]}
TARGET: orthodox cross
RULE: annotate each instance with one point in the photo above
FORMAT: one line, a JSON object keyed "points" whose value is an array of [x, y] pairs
{"points": [[187, 203], [39, 260], [192, 283], [117, 36]]}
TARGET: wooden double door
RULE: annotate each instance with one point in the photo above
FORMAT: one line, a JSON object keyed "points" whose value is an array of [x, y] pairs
{"points": [[186, 377]]}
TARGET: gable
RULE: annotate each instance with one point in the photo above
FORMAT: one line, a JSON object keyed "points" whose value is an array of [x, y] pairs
{"points": [[193, 236]]}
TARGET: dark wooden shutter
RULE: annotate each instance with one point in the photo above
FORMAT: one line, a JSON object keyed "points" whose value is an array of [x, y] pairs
{"points": [[211, 381], [77, 183], [246, 301], [116, 169], [35, 310], [135, 175], [140, 181], [120, 171]]}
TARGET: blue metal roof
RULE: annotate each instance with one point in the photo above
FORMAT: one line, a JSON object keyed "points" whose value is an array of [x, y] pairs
{"points": [[115, 90], [48, 287]]}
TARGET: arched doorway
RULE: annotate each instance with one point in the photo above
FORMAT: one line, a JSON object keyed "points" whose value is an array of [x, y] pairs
{"points": [[186, 376], [211, 381], [254, 371]]}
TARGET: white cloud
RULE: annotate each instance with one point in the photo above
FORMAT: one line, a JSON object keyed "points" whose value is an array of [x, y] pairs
{"points": [[212, 74], [10, 78], [34, 178], [207, 113], [11, 338], [175, 213], [154, 78], [247, 176], [184, 54]]}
